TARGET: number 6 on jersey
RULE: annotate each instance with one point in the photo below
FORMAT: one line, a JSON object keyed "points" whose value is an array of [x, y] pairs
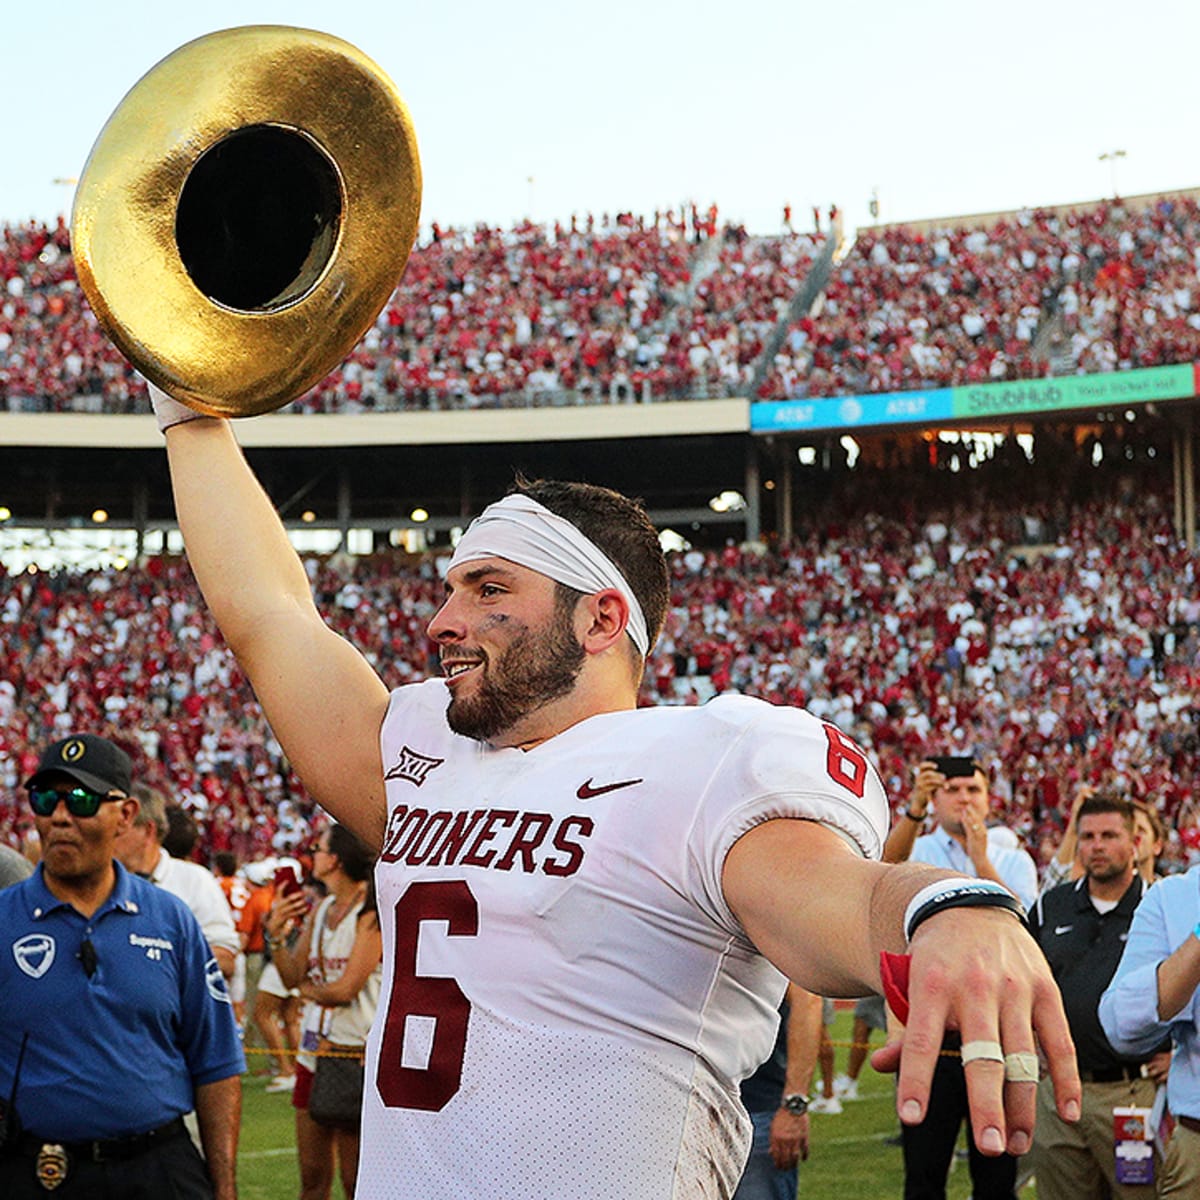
{"points": [[440, 999]]}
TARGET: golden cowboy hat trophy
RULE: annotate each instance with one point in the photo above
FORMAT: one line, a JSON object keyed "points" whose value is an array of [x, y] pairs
{"points": [[245, 214]]}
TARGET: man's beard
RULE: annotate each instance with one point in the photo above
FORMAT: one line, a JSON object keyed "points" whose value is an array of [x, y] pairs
{"points": [[532, 671], [1106, 870]]}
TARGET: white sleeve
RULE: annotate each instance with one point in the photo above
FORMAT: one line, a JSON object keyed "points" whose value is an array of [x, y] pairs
{"points": [[786, 764], [1020, 877], [1129, 1006], [212, 910]]}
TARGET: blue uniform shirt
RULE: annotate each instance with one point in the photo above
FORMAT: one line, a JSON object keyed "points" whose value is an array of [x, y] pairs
{"points": [[120, 1052], [1129, 1008]]}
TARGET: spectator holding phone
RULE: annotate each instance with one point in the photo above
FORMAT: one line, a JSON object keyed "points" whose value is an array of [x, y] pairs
{"points": [[954, 790], [276, 1008], [333, 955]]}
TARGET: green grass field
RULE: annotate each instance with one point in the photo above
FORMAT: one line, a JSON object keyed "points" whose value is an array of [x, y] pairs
{"points": [[850, 1157]]}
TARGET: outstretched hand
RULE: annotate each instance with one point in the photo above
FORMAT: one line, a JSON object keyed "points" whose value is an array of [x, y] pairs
{"points": [[978, 972]]}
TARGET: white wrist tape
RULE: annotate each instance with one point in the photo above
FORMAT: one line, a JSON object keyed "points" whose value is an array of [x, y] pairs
{"points": [[168, 411]]}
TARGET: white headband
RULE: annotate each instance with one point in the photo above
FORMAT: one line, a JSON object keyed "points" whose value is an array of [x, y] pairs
{"points": [[527, 533]]}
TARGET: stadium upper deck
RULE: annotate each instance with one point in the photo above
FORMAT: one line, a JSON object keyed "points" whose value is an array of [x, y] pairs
{"points": [[545, 349], [629, 311]]}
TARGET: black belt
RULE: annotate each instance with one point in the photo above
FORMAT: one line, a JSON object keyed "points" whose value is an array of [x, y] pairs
{"points": [[105, 1150], [1112, 1074]]}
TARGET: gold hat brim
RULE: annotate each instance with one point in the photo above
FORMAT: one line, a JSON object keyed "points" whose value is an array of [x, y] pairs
{"points": [[217, 359]]}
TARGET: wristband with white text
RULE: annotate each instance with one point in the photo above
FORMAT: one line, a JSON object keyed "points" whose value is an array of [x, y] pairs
{"points": [[958, 893]]}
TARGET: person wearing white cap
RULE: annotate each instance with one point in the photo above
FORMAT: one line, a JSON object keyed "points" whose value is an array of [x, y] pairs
{"points": [[589, 909]]}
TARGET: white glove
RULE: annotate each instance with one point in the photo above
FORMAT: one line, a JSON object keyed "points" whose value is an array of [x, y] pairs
{"points": [[169, 412]]}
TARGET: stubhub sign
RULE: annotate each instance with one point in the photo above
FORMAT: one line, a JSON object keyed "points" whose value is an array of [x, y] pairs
{"points": [[1013, 398]]}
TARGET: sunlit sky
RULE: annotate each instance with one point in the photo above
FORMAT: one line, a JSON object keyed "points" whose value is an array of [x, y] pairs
{"points": [[543, 109]]}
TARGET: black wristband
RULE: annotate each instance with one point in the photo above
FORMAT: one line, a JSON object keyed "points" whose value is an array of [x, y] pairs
{"points": [[912, 816], [966, 898]]}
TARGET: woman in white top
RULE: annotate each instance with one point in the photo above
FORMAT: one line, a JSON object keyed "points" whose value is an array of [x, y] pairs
{"points": [[333, 955]]}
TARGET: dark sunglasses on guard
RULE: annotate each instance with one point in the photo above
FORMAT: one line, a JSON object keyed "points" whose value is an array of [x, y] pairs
{"points": [[81, 801]]}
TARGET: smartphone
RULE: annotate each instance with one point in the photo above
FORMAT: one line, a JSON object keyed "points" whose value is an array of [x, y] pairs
{"points": [[955, 766], [286, 883]]}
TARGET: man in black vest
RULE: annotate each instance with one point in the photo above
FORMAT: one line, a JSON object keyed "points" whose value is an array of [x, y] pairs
{"points": [[1081, 927]]}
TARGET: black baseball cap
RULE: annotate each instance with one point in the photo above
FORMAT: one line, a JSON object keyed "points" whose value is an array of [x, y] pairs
{"points": [[93, 761]]}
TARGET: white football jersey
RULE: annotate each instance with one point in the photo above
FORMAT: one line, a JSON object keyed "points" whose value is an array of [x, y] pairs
{"points": [[568, 1003]]}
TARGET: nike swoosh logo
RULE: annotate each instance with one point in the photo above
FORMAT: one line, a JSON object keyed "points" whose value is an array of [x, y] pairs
{"points": [[587, 792], [1063, 928]]}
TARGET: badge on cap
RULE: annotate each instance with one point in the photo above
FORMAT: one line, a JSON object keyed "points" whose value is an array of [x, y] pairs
{"points": [[73, 750]]}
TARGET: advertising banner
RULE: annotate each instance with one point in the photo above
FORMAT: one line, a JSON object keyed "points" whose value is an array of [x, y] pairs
{"points": [[1025, 397], [849, 412]]}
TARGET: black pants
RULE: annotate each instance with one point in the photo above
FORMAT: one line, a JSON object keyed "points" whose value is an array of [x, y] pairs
{"points": [[929, 1147], [171, 1170]]}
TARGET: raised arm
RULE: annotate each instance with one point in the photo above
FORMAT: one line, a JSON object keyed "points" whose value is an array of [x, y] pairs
{"points": [[1159, 970], [288, 928], [324, 701], [911, 819], [1178, 979], [823, 915]]}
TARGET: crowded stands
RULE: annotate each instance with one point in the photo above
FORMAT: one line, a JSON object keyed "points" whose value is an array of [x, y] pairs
{"points": [[629, 309], [1042, 618]]}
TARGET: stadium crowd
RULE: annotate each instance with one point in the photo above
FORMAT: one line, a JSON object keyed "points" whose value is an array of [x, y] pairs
{"points": [[1109, 287], [1044, 619], [627, 309]]}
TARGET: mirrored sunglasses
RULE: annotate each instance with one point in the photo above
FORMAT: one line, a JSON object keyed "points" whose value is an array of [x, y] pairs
{"points": [[81, 801]]}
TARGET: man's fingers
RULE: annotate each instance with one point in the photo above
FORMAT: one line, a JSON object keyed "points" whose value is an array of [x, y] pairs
{"points": [[1058, 1048], [1020, 1078], [786, 1151], [983, 1066], [981, 973], [886, 1060], [920, 1051]]}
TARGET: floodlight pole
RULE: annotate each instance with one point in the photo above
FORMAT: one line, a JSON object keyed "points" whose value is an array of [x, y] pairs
{"points": [[1111, 158]]}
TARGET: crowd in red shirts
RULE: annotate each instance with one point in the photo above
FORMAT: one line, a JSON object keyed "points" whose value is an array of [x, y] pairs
{"points": [[609, 311], [625, 309], [1103, 288], [1044, 619]]}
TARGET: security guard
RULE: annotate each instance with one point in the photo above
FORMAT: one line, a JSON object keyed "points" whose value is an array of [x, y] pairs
{"points": [[114, 1018], [1082, 927]]}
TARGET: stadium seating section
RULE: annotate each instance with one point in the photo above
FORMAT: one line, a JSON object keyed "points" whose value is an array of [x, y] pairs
{"points": [[1046, 617], [635, 310]]}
